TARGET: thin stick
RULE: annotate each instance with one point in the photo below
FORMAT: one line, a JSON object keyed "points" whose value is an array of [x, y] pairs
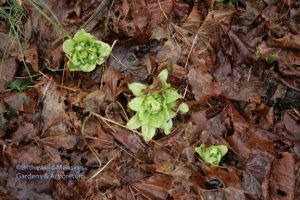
{"points": [[62, 83], [148, 198], [100, 170], [105, 122], [26, 77], [185, 91], [123, 110], [84, 123], [121, 125], [128, 153], [294, 109], [187, 59], [162, 10], [249, 74], [112, 55], [116, 123], [65, 87], [40, 11], [93, 150], [95, 138]]}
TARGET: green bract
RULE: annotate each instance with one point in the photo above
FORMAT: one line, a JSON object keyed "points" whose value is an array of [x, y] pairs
{"points": [[154, 109], [212, 154], [85, 51], [271, 59]]}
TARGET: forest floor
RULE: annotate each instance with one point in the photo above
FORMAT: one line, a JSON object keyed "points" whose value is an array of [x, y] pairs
{"points": [[236, 63]]}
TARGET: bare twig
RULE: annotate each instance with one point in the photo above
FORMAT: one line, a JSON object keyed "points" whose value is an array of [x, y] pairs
{"points": [[163, 12], [121, 125], [123, 110], [93, 150], [103, 168], [193, 44], [68, 88]]}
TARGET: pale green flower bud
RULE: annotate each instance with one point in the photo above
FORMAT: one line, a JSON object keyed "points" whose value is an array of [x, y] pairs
{"points": [[85, 51]]}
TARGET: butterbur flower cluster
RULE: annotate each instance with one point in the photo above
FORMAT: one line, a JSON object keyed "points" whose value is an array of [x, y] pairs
{"points": [[85, 51], [154, 109], [212, 154]]}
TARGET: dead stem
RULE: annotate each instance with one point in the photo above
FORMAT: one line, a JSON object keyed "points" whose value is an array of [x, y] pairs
{"points": [[112, 55], [191, 49], [103, 168], [93, 150], [121, 125], [163, 12], [123, 110], [131, 155], [68, 88]]}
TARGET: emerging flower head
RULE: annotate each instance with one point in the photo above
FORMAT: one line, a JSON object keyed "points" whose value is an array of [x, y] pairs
{"points": [[155, 109], [85, 51], [212, 154]]}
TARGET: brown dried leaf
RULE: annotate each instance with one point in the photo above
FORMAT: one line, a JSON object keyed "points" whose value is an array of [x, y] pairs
{"points": [[20, 102], [283, 178], [25, 132], [29, 154], [249, 91], [7, 71], [61, 141], [96, 136], [289, 41], [131, 141], [201, 81], [26, 189], [32, 57], [56, 121], [292, 127], [154, 187], [247, 139]]}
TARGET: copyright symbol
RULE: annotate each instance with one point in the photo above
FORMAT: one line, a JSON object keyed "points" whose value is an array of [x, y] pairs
{"points": [[19, 167]]}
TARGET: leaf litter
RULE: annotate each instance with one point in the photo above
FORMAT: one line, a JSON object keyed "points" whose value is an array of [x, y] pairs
{"points": [[216, 54]]}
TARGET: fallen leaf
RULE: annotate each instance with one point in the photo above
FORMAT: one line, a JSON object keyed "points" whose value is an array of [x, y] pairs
{"points": [[61, 141], [96, 136], [63, 191], [202, 81], [131, 141], [154, 187], [32, 57], [289, 41], [25, 189], [56, 121], [26, 132], [282, 177], [291, 125], [8, 70], [19, 102], [29, 154]]}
